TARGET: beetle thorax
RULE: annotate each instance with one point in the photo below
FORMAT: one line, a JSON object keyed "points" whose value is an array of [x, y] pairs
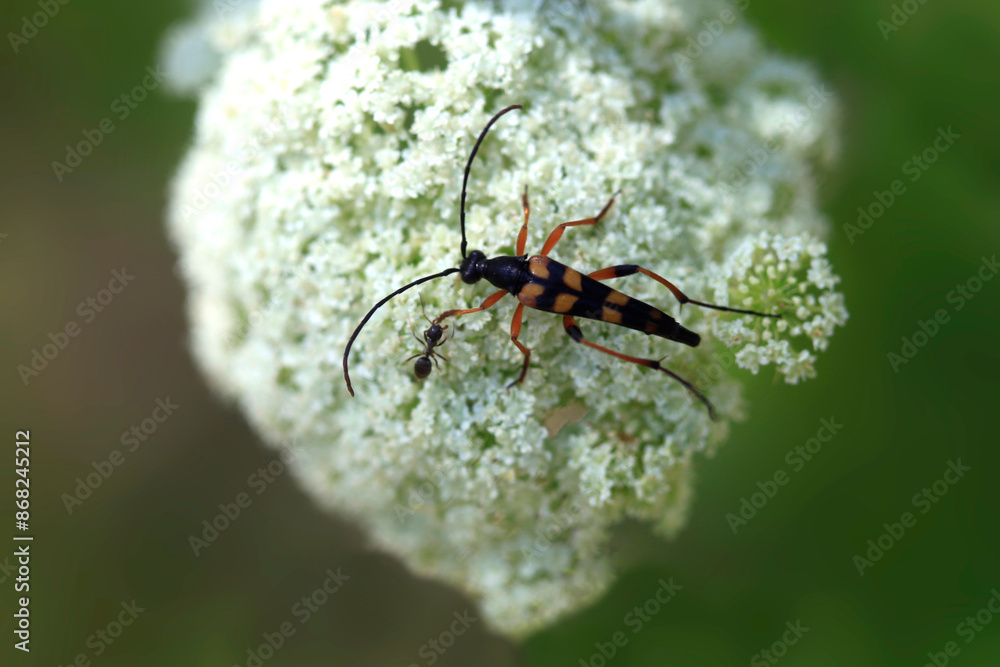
{"points": [[506, 272]]}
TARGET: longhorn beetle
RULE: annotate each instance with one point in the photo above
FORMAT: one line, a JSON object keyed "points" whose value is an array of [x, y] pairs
{"points": [[542, 283]]}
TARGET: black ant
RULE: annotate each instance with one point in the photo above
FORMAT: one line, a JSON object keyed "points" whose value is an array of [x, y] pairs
{"points": [[432, 338]]}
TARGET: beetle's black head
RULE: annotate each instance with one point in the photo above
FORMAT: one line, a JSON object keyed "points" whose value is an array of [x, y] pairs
{"points": [[473, 266], [422, 367]]}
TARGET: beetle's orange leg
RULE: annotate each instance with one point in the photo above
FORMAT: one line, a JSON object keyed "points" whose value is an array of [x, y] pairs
{"points": [[489, 302], [515, 331], [558, 231], [569, 323]]}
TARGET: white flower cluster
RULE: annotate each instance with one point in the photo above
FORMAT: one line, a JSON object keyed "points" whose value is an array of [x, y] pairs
{"points": [[325, 172], [780, 274]]}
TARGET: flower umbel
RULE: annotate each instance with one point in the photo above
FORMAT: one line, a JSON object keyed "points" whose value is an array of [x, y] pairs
{"points": [[790, 275], [325, 173]]}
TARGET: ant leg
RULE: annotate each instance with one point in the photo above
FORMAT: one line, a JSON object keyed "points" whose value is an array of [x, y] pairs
{"points": [[631, 269], [569, 323], [515, 331], [522, 236], [489, 302], [558, 231], [419, 339]]}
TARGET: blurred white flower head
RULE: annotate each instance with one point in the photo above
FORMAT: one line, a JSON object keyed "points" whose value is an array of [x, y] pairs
{"points": [[325, 172]]}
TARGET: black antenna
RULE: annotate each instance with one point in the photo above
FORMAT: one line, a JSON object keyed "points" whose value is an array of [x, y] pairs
{"points": [[347, 376], [468, 165], [465, 182]]}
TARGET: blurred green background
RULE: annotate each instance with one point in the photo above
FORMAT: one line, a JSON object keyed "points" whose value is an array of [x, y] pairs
{"points": [[791, 565]]}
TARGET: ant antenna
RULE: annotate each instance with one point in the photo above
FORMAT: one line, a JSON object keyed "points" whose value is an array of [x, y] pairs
{"points": [[423, 309], [468, 165]]}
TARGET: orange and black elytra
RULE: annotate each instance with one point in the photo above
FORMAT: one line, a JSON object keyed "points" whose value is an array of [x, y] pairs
{"points": [[542, 283]]}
